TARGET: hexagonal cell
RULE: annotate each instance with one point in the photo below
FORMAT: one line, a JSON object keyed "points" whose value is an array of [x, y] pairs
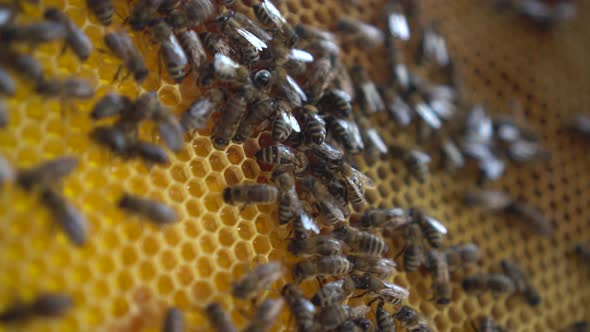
{"points": [[261, 245], [218, 161], [235, 154], [233, 176], [199, 168], [196, 188], [202, 146]]}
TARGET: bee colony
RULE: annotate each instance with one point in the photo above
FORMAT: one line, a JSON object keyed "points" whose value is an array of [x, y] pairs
{"points": [[186, 165]]}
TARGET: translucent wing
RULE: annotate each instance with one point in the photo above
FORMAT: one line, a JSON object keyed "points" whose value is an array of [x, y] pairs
{"points": [[398, 26], [327, 205], [274, 14], [376, 140], [437, 225], [394, 290], [355, 133], [328, 151], [372, 98], [428, 115], [224, 63], [175, 51], [309, 223], [300, 55], [291, 121], [252, 39], [296, 88]]}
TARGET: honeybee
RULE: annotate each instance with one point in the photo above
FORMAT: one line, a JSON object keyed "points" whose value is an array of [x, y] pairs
{"points": [[384, 319], [216, 43], [284, 122], [303, 225], [196, 115], [153, 210], [46, 173], [397, 23], [371, 101], [250, 194], [24, 64], [314, 127], [494, 282], [7, 84], [190, 13], [33, 34], [288, 88], [397, 107], [356, 182], [334, 292], [301, 308], [308, 32], [230, 118], [521, 282], [269, 15], [257, 117], [375, 146], [462, 254], [377, 266], [45, 305], [112, 137], [385, 291], [357, 325], [412, 320], [433, 46], [315, 245], [333, 266], [193, 48], [341, 78], [102, 9], [66, 215], [426, 113], [143, 11], [110, 105], [261, 277], [384, 218], [534, 217], [294, 60], [252, 26], [123, 48], [173, 320], [65, 89], [328, 156], [333, 316], [347, 133], [149, 152], [433, 230], [417, 164], [226, 69], [451, 156], [441, 284], [75, 38], [219, 319], [281, 155], [171, 51], [247, 43], [265, 315], [359, 32], [321, 75], [289, 204], [361, 242], [414, 254], [325, 202], [169, 128], [336, 102]]}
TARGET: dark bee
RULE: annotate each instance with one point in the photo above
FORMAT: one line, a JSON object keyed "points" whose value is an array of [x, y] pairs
{"points": [[521, 282], [341, 79], [452, 157], [48, 305], [334, 292], [329, 208], [143, 11], [226, 69], [219, 319], [102, 9], [412, 320], [332, 266], [361, 242], [189, 14], [441, 283], [371, 101], [417, 164], [262, 79], [397, 23], [46, 173], [65, 89], [284, 123], [424, 111], [461, 255], [494, 282], [230, 118], [261, 277], [329, 157], [169, 128], [377, 266], [308, 32], [216, 43], [414, 255], [247, 43], [257, 117], [286, 87], [336, 102], [170, 50], [66, 215], [196, 115], [75, 38], [250, 194], [354, 31], [24, 64], [533, 217], [433, 230], [7, 172], [331, 317], [153, 210], [269, 15], [301, 308], [149, 152], [33, 34], [7, 84], [317, 82], [173, 320], [384, 319], [356, 182], [375, 145], [112, 137], [280, 155], [265, 315], [384, 218], [289, 203], [123, 48], [357, 325], [385, 291], [193, 48], [314, 127], [347, 133], [315, 245], [110, 105]]}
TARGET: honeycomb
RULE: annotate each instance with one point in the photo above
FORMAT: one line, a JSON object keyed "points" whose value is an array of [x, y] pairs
{"points": [[130, 271]]}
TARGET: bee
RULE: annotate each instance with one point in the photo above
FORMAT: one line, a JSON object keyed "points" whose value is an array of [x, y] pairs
{"points": [[252, 26], [377, 266], [316, 245], [170, 50], [250, 194], [433, 229], [24, 64], [196, 115], [525, 151], [193, 48], [452, 157], [433, 46], [173, 320], [582, 250], [384, 218], [226, 69], [216, 43], [102, 9], [265, 315], [397, 23], [75, 38], [294, 60], [155, 211], [361, 242], [333, 266], [269, 15], [424, 110], [261, 277], [65, 89], [288, 88], [417, 164], [263, 80], [354, 31], [289, 204], [308, 33], [494, 282], [462, 254], [257, 117], [66, 215], [303, 226], [46, 173], [385, 291], [397, 107], [441, 284], [247, 43], [230, 118], [331, 317], [112, 137], [149, 152], [328, 207], [169, 128], [123, 48], [384, 319], [321, 75], [375, 146], [328, 156], [521, 281], [7, 172], [143, 12], [284, 123], [7, 85], [532, 216], [314, 127], [412, 320], [347, 133], [414, 254], [334, 292], [371, 101], [33, 34], [189, 14], [357, 325], [48, 305], [301, 308], [336, 102], [341, 79], [219, 319], [109, 105], [280, 155], [355, 185]]}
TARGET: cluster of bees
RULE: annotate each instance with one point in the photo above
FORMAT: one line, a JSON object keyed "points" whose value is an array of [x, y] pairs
{"points": [[249, 72]]}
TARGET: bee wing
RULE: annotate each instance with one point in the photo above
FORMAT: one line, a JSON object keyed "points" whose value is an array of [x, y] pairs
{"points": [[290, 119], [309, 223], [328, 151], [175, 51], [252, 39], [300, 55], [398, 26], [372, 98], [437, 225], [273, 13], [401, 112], [253, 27], [394, 290], [376, 140], [355, 133], [296, 89], [428, 115], [444, 108], [223, 63], [421, 157], [336, 283], [329, 205]]}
